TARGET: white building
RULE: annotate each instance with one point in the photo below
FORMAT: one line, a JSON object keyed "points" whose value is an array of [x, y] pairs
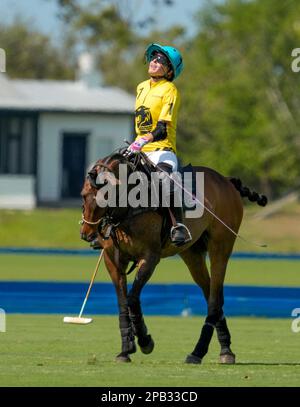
{"points": [[50, 133]]}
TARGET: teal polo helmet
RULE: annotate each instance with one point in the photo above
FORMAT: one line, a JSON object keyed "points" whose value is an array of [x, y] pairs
{"points": [[171, 53]]}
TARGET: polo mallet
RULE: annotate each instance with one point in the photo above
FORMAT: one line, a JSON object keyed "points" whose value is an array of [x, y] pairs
{"points": [[79, 319]]}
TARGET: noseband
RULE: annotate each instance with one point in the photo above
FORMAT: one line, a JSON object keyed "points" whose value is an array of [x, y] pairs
{"points": [[82, 221]]}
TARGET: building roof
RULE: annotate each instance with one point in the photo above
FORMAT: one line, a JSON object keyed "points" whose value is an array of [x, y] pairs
{"points": [[53, 95]]}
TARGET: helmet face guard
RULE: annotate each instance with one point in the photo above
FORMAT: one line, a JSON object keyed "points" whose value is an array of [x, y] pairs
{"points": [[173, 55]]}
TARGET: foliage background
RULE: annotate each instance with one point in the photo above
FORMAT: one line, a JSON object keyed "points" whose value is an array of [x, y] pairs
{"points": [[240, 97]]}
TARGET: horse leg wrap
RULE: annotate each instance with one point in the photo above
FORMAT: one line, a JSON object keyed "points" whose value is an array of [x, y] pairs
{"points": [[139, 327], [226, 354], [128, 344], [223, 334], [136, 317], [145, 341], [127, 336], [204, 340], [140, 330]]}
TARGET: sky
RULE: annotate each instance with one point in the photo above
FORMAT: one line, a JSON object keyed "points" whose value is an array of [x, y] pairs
{"points": [[43, 13]]}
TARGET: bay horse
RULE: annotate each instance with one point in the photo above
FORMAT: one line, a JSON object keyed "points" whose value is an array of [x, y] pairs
{"points": [[138, 238]]}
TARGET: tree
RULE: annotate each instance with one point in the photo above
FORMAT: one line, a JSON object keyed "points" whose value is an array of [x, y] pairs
{"points": [[30, 53], [111, 31], [240, 108]]}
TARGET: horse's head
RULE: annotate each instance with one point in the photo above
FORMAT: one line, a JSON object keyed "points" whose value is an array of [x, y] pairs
{"points": [[91, 212], [104, 172]]}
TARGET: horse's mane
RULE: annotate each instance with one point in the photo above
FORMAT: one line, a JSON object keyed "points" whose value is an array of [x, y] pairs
{"points": [[108, 163], [134, 162]]}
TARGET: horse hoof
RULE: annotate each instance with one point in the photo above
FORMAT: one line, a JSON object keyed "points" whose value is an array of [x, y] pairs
{"points": [[192, 359], [227, 359], [123, 358], [146, 349]]}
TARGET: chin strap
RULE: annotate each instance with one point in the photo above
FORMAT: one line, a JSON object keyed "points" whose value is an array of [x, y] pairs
{"points": [[158, 77]]}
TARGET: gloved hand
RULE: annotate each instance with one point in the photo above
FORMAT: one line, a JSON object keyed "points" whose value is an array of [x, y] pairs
{"points": [[137, 145]]}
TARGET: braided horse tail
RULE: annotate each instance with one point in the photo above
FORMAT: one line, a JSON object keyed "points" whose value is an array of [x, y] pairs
{"points": [[253, 196]]}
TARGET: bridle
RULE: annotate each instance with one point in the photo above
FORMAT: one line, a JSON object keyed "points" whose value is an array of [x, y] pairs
{"points": [[102, 164], [83, 220]]}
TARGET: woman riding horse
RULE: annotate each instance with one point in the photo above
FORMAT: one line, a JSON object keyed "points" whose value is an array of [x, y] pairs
{"points": [[138, 238]]}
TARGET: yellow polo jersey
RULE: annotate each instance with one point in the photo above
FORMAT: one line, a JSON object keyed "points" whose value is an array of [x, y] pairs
{"points": [[157, 101]]}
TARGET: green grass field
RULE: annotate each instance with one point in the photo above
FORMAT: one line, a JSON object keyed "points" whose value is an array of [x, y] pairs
{"points": [[59, 228], [39, 350], [80, 268], [42, 351]]}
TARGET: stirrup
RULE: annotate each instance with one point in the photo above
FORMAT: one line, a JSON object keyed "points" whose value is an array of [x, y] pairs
{"points": [[187, 239]]}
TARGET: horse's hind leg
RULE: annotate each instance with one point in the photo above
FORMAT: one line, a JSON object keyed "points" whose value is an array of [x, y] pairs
{"points": [[147, 266], [195, 260], [219, 252], [226, 354]]}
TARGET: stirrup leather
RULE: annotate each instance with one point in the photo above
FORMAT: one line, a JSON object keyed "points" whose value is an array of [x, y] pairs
{"points": [[188, 237]]}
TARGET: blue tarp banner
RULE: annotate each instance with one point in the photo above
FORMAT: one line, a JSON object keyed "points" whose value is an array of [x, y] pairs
{"points": [[157, 299]]}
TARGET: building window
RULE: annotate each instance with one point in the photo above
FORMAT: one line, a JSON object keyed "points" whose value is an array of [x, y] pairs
{"points": [[18, 141]]}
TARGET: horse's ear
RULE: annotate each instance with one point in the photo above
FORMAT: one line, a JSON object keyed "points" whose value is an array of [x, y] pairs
{"points": [[112, 179], [92, 176]]}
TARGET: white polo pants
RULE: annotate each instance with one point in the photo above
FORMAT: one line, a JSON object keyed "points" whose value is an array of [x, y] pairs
{"points": [[163, 157]]}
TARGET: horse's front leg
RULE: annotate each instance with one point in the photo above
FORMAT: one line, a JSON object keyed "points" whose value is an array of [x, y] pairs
{"points": [[146, 268], [118, 276]]}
